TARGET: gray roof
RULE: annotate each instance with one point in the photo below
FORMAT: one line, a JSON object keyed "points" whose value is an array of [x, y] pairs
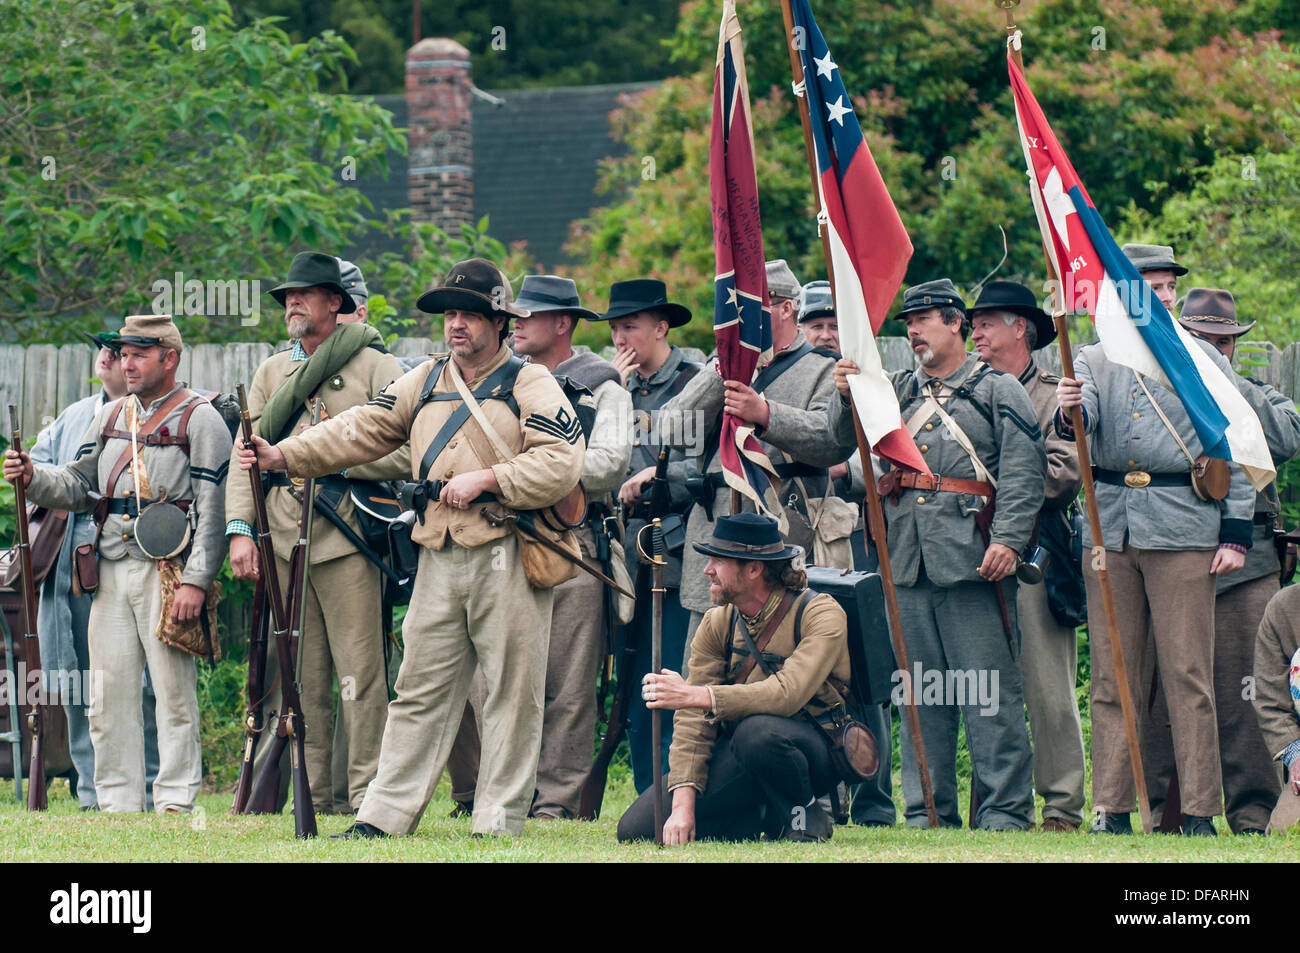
{"points": [[384, 193], [535, 160]]}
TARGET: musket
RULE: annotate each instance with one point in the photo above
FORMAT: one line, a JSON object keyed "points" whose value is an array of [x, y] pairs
{"points": [[36, 800], [253, 722], [659, 501], [290, 730]]}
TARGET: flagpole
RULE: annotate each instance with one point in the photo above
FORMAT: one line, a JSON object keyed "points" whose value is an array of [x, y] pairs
{"points": [[1090, 498], [875, 512]]}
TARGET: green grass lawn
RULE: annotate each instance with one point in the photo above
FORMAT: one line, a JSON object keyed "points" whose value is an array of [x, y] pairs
{"points": [[212, 834]]}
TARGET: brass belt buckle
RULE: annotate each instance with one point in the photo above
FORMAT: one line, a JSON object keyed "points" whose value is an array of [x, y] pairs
{"points": [[1137, 479]]}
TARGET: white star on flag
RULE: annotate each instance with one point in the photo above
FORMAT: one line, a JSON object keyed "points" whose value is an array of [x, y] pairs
{"points": [[826, 65], [731, 298], [1059, 205], [838, 110]]}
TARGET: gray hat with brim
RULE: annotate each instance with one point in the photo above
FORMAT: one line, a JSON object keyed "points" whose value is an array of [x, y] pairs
{"points": [[313, 269], [353, 282], [550, 293], [1153, 258], [816, 301]]}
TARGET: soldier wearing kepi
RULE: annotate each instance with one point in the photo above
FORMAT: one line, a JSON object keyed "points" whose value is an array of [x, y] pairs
{"points": [[1007, 326], [1250, 782], [160, 446], [473, 602], [579, 621], [640, 316], [954, 571], [786, 402], [343, 365], [1166, 541]]}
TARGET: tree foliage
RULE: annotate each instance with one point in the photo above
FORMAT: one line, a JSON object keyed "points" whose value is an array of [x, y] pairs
{"points": [[1142, 95]]}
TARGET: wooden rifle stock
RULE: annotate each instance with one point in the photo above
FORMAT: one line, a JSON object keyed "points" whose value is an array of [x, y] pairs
{"points": [[253, 721], [36, 800], [593, 789], [265, 794]]}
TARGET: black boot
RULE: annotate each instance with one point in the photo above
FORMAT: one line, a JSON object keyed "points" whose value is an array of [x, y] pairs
{"points": [[1194, 826], [1108, 823], [360, 831]]}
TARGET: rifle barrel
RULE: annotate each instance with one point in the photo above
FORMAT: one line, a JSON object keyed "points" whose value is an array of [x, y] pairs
{"points": [[36, 799]]}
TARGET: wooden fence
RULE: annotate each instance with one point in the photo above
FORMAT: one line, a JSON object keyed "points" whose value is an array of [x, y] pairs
{"points": [[43, 379]]}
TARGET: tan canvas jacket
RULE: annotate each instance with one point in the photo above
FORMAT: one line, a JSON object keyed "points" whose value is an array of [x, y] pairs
{"points": [[360, 379], [1276, 642], [801, 679], [545, 439]]}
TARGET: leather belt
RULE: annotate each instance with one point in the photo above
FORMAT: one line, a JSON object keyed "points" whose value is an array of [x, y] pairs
{"points": [[418, 495], [1139, 479], [788, 471], [129, 506], [895, 480]]}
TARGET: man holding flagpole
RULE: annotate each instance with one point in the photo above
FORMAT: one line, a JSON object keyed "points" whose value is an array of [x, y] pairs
{"points": [[1177, 455], [955, 553]]}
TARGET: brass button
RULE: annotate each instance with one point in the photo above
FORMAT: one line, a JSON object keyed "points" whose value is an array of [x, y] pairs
{"points": [[126, 492], [925, 447], [629, 471], [1136, 415], [636, 443], [929, 426], [452, 445], [644, 392], [126, 517], [450, 474], [920, 500], [1135, 393], [126, 537], [1132, 463]]}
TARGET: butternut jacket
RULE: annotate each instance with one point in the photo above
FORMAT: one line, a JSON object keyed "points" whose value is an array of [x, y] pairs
{"points": [[360, 379], [1277, 640], [801, 678], [547, 445]]}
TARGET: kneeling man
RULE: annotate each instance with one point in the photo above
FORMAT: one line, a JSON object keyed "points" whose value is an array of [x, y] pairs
{"points": [[746, 757]]}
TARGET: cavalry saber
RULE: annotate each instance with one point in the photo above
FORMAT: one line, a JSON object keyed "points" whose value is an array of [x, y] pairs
{"points": [[526, 524], [36, 800]]}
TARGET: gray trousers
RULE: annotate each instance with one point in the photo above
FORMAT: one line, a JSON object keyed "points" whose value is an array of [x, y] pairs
{"points": [[1251, 781], [956, 636], [1049, 665]]}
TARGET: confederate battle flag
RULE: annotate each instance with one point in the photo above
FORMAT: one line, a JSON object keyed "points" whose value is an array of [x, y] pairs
{"points": [[742, 320]]}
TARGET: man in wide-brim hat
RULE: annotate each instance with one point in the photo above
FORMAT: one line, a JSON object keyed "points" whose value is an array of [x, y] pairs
{"points": [[344, 365], [1007, 326], [740, 744], [1250, 783]]}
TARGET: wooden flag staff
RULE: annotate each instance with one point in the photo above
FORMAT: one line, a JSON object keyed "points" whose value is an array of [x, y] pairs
{"points": [[875, 512], [1090, 496]]}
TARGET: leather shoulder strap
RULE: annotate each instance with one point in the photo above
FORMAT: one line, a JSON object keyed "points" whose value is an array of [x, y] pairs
{"points": [[499, 384], [756, 646], [153, 423], [786, 360]]}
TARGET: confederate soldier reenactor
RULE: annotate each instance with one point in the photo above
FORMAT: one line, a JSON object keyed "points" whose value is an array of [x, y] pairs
{"points": [[787, 404], [1007, 326], [581, 617], [1250, 782], [343, 366], [744, 740], [161, 446], [1166, 542], [1275, 701], [473, 602], [954, 570], [817, 316], [640, 316]]}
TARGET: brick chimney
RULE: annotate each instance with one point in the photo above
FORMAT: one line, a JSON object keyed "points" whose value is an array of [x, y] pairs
{"points": [[440, 183]]}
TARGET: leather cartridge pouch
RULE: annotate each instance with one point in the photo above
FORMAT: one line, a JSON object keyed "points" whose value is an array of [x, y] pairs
{"points": [[85, 570], [1210, 477], [197, 636]]}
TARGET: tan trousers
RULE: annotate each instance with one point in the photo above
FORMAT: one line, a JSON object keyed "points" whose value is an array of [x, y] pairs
{"points": [[572, 667], [1048, 667], [1172, 592], [123, 619], [341, 635], [462, 763], [1250, 776], [470, 606]]}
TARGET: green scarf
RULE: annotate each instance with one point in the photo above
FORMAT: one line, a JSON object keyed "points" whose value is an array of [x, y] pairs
{"points": [[347, 341]]}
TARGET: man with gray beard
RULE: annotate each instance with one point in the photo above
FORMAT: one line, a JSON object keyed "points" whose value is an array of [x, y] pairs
{"points": [[344, 365]]}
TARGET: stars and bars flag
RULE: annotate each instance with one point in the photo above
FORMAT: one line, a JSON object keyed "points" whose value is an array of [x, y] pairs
{"points": [[742, 319], [868, 243], [1133, 327]]}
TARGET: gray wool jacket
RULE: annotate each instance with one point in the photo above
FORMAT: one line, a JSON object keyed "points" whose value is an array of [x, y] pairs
{"points": [[1281, 422], [938, 529], [199, 476], [797, 432], [1125, 433]]}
